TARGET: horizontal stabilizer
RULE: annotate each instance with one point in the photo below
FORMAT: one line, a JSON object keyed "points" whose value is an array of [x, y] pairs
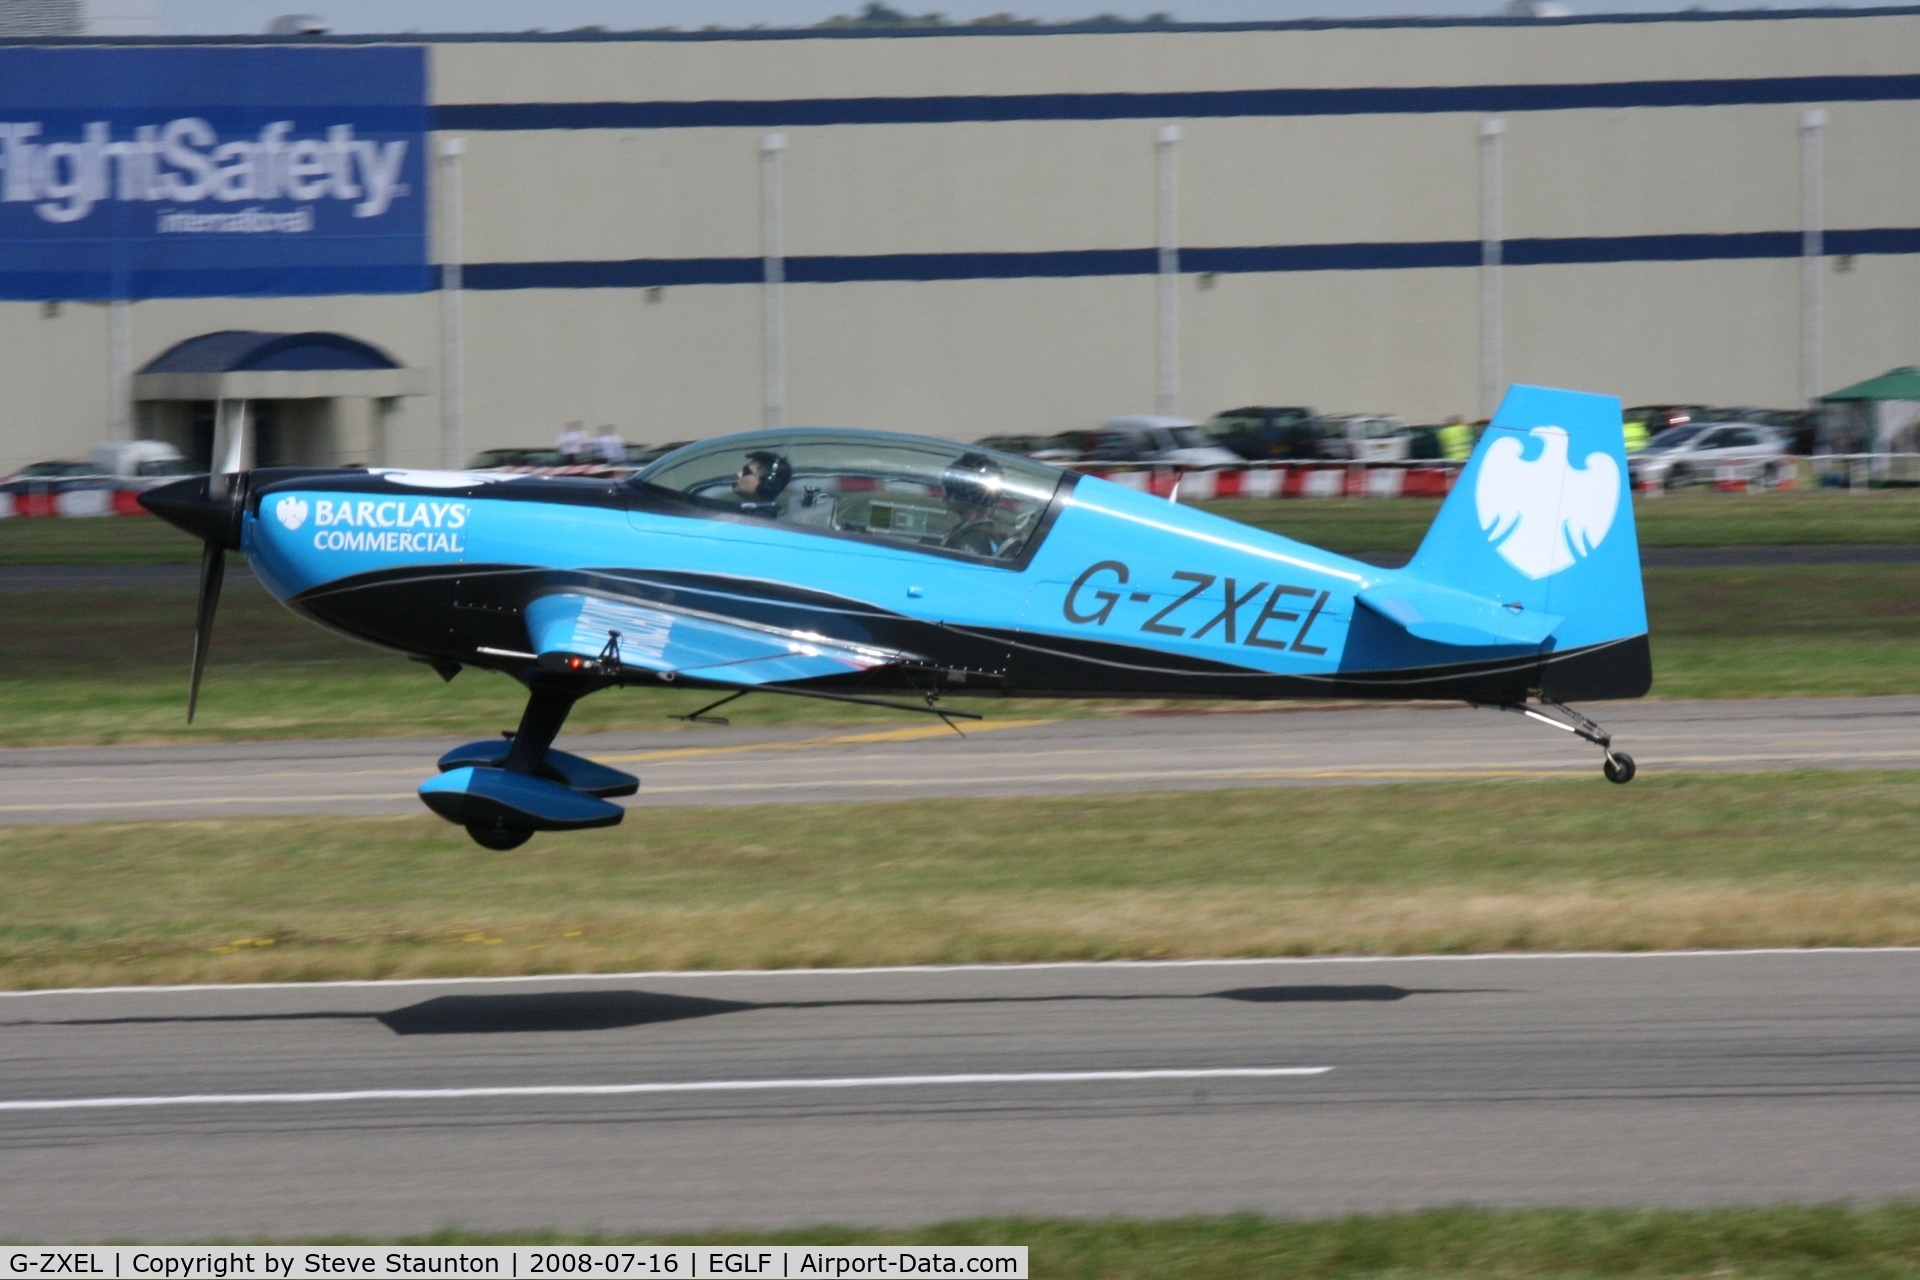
{"points": [[676, 642], [1445, 616], [577, 773], [483, 796]]}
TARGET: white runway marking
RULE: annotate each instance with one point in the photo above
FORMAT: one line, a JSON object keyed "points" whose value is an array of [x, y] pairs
{"points": [[678, 1086]]}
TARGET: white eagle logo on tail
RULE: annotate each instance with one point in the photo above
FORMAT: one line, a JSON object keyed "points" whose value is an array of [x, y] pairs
{"points": [[1546, 514]]}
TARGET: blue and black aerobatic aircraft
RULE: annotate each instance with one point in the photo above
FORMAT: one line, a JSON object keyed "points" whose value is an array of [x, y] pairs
{"points": [[864, 566]]}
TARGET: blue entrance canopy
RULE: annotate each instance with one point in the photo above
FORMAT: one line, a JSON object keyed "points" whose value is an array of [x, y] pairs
{"points": [[246, 350]]}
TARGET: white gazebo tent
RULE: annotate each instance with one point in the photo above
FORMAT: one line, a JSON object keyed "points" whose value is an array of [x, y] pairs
{"points": [[1880, 415]]}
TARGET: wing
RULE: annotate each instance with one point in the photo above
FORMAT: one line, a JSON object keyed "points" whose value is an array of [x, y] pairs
{"points": [[1588, 500], [1499, 495], [676, 642]]}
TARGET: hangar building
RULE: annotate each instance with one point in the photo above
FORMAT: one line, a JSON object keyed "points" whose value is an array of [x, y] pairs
{"points": [[969, 226]]}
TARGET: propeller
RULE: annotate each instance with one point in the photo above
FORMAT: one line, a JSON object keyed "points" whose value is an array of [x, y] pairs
{"points": [[211, 508], [213, 569]]}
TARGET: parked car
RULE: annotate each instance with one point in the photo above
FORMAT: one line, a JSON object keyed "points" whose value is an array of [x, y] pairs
{"points": [[636, 456], [1261, 432], [1799, 427], [1424, 442], [115, 464], [141, 464], [1025, 446], [639, 455], [1154, 438], [1658, 417], [48, 472], [497, 459], [1068, 446], [1693, 452], [1362, 437]]}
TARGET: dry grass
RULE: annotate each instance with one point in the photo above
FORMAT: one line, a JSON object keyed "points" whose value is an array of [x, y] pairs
{"points": [[1560, 864], [1642, 916]]}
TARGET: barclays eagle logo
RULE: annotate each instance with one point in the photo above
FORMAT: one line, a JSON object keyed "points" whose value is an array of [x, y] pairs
{"points": [[1545, 515], [291, 512]]}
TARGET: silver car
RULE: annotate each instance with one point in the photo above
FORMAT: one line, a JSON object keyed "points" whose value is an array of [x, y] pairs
{"points": [[1363, 437], [1694, 453], [1147, 437]]}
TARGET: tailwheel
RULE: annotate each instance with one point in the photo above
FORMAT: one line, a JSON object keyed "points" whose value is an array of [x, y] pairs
{"points": [[1618, 766], [499, 836]]}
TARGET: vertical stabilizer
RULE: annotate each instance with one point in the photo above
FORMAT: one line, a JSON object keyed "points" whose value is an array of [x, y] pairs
{"points": [[1541, 520]]}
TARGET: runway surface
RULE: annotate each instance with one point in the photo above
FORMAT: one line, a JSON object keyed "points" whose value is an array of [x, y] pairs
{"points": [[1081, 1090], [1000, 757]]}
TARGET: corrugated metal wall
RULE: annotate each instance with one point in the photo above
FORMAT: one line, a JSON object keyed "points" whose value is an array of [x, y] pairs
{"points": [[970, 221]]}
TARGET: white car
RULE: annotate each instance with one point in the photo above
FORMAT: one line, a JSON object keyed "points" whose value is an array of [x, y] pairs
{"points": [[1152, 438], [1363, 437], [140, 464], [1693, 453]]}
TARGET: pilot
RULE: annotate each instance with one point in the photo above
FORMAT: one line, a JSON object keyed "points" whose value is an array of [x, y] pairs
{"points": [[973, 484], [760, 481]]}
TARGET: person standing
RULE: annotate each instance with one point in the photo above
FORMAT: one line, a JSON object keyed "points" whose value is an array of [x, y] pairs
{"points": [[1456, 439], [571, 443], [609, 447]]}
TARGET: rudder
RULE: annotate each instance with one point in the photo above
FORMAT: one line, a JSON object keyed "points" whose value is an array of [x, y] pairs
{"points": [[1541, 520]]}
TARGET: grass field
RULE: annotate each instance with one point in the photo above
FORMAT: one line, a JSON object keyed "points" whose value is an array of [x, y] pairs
{"points": [[1721, 860], [104, 666], [1693, 519], [1338, 524], [1791, 631], [1777, 1243], [108, 540]]}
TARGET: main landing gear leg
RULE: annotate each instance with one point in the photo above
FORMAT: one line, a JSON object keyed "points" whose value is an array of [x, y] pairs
{"points": [[547, 709], [540, 723], [1618, 766]]}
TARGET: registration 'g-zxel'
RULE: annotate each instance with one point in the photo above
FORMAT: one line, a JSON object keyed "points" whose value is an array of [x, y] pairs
{"points": [[863, 566]]}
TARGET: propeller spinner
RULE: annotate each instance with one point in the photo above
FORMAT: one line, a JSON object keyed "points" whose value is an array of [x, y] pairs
{"points": [[210, 508]]}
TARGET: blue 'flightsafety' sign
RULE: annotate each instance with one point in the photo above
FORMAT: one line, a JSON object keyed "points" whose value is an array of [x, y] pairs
{"points": [[195, 172]]}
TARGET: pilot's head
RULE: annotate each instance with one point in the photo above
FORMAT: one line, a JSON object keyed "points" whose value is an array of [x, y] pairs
{"points": [[762, 476], [973, 480]]}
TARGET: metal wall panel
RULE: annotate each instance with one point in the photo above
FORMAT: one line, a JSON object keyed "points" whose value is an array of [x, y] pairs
{"points": [[963, 267]]}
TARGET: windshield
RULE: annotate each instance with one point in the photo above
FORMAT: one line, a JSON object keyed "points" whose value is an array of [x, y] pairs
{"points": [[922, 493], [1673, 436], [59, 469], [1189, 438]]}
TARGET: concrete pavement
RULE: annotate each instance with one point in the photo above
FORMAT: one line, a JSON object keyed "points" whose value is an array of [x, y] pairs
{"points": [[911, 1096], [1000, 757]]}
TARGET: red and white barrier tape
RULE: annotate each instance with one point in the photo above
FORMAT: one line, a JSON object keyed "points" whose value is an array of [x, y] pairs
{"points": [[1336, 480]]}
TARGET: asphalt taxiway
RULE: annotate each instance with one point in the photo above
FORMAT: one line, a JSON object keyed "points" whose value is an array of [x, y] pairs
{"points": [[693, 1101], [999, 757]]}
